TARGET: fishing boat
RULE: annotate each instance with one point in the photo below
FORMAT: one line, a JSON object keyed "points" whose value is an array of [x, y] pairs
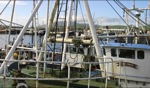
{"points": [[81, 61], [132, 49], [35, 66]]}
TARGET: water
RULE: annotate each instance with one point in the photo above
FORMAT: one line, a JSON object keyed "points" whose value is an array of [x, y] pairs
{"points": [[26, 39]]}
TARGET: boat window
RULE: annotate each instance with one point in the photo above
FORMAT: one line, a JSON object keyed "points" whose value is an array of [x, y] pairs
{"points": [[127, 54], [113, 52], [91, 51], [72, 50], [75, 50], [67, 50], [140, 54], [80, 51], [104, 51]]}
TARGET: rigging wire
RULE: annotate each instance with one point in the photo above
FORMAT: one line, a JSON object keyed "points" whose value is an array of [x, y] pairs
{"points": [[64, 30], [12, 15], [124, 7], [59, 10], [75, 17], [5, 7], [56, 23], [64, 26], [37, 15], [82, 14], [118, 13]]}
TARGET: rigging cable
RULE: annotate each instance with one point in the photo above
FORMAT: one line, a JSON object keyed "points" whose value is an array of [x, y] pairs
{"points": [[56, 24], [75, 19], [12, 15], [64, 25], [124, 7], [118, 13], [5, 7], [82, 14], [64, 31], [128, 9]]}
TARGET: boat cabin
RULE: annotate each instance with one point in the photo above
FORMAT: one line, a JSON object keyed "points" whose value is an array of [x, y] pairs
{"points": [[134, 59], [74, 54]]}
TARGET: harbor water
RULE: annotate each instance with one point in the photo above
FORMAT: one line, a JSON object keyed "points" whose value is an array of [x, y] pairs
{"points": [[26, 40]]}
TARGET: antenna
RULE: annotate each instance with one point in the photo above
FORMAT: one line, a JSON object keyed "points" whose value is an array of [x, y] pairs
{"points": [[134, 4], [148, 4], [148, 14]]}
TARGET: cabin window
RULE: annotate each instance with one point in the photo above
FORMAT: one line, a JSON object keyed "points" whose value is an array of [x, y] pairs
{"points": [[91, 51], [72, 50], [113, 52], [104, 51], [127, 54], [76, 50], [140, 54], [80, 51], [67, 50]]}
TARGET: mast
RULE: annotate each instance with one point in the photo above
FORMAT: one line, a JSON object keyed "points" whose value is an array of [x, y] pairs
{"points": [[10, 26], [127, 19], [147, 14], [93, 34], [50, 24], [47, 17], [20, 36], [66, 33]]}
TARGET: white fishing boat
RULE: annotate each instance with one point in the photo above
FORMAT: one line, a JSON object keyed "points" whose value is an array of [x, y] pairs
{"points": [[132, 49]]}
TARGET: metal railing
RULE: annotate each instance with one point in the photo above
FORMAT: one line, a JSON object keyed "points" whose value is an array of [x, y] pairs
{"points": [[4, 77]]}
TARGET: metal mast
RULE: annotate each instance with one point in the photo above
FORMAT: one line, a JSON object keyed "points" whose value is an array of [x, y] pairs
{"points": [[93, 34], [20, 36]]}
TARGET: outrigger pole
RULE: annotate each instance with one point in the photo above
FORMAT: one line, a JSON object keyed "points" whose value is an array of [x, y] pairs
{"points": [[66, 34], [47, 33], [50, 24], [10, 53], [93, 34]]}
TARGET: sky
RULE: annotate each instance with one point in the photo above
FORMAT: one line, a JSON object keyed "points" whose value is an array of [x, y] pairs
{"points": [[101, 11]]}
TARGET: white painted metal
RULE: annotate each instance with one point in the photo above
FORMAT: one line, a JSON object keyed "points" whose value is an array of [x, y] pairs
{"points": [[36, 45], [67, 32], [50, 23], [93, 33], [139, 74], [69, 40], [45, 38], [20, 36]]}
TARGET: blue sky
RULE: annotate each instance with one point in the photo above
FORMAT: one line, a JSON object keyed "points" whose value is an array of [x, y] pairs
{"points": [[100, 10]]}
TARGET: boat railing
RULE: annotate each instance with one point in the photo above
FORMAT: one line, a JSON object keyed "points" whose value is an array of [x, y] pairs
{"points": [[37, 77], [140, 38], [113, 67]]}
